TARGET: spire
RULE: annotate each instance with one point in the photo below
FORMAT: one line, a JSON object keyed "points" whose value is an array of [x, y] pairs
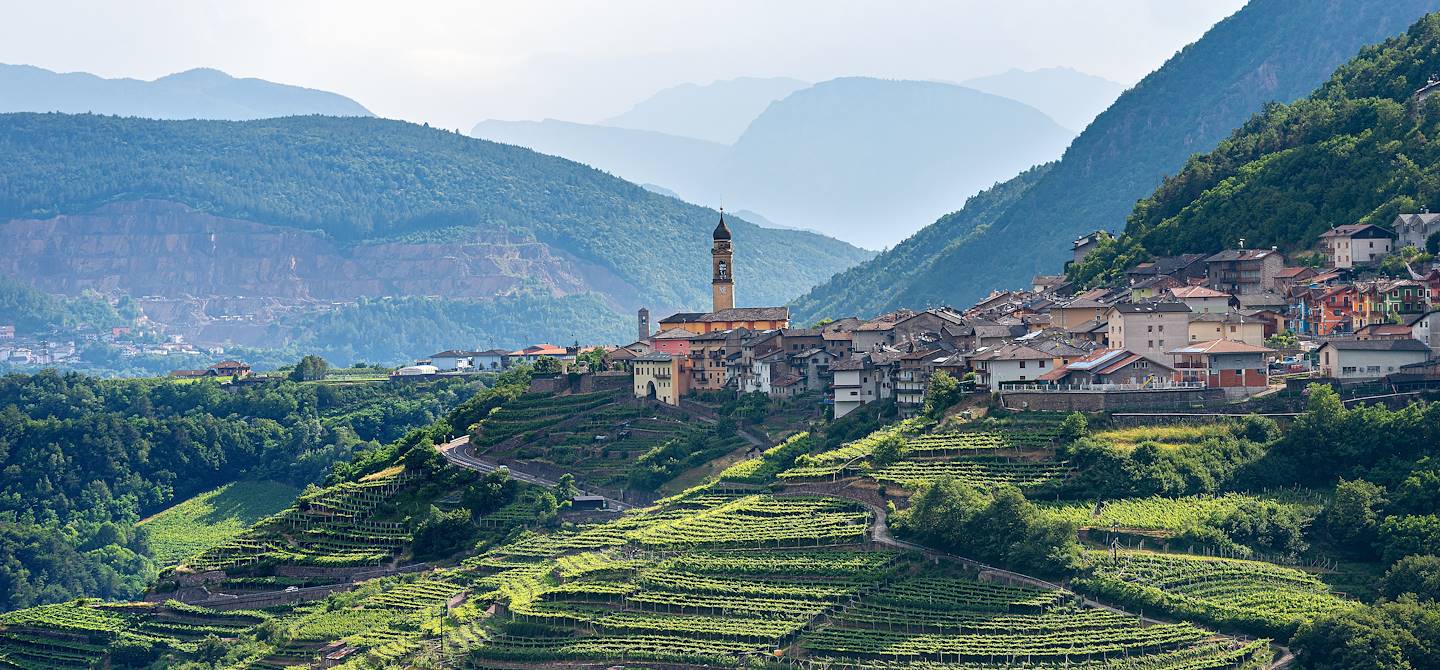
{"points": [[722, 232]]}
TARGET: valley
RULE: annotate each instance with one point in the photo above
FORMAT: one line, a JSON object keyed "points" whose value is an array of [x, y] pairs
{"points": [[287, 384]]}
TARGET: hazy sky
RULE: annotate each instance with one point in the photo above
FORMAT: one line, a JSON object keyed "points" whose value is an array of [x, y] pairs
{"points": [[455, 63]]}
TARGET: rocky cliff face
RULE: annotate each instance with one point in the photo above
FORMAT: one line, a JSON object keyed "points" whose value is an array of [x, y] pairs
{"points": [[167, 250]]}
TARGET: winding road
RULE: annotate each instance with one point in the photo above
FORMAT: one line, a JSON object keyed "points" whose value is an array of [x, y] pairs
{"points": [[460, 453]]}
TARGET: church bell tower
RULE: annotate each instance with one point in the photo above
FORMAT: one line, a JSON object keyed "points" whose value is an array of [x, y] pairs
{"points": [[722, 266]]}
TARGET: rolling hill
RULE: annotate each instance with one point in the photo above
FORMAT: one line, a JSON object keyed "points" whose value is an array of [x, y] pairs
{"points": [[862, 158], [1069, 96], [856, 158], [716, 112], [681, 164], [339, 209], [201, 93], [1269, 50]]}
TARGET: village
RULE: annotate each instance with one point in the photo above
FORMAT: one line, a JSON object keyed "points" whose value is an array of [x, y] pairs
{"points": [[1182, 331]]}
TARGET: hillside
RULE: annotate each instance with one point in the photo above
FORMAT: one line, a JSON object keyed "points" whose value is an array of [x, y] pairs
{"points": [[1355, 151], [910, 546], [681, 164], [337, 209], [1069, 96], [1269, 50], [716, 112], [201, 93]]}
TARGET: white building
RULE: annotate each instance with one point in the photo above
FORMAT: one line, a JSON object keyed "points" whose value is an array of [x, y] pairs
{"points": [[1414, 230], [1426, 328], [1357, 244], [452, 359], [861, 380], [1010, 363], [1369, 359]]}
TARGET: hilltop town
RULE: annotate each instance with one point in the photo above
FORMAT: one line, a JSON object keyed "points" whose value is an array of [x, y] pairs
{"points": [[1195, 330]]}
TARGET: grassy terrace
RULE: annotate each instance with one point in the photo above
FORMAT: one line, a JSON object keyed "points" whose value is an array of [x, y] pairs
{"points": [[212, 518], [331, 527]]}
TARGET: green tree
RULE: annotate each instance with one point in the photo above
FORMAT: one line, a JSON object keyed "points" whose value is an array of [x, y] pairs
{"points": [[887, 450], [942, 393], [565, 488], [1352, 516], [1432, 244], [1283, 340], [1417, 575], [1403, 635], [546, 365], [1074, 427], [310, 368]]}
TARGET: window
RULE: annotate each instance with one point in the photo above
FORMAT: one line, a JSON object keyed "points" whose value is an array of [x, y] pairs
{"points": [[1022, 365], [1150, 344], [1042, 364], [1162, 327]]}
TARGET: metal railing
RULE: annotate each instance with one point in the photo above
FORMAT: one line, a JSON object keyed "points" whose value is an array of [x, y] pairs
{"points": [[1103, 388]]}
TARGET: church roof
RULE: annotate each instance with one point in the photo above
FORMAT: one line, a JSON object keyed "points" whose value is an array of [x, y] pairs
{"points": [[722, 232], [747, 314]]}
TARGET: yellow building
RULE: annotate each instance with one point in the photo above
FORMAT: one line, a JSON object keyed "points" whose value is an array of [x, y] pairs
{"points": [[1205, 327], [661, 377]]}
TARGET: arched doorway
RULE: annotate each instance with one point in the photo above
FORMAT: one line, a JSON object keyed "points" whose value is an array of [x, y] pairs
{"points": [[650, 390]]}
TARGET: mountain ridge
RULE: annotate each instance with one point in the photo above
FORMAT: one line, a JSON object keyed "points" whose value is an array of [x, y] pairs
{"points": [[480, 212], [1189, 104], [195, 93]]}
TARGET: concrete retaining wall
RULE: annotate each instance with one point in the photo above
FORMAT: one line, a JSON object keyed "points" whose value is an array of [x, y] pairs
{"points": [[1114, 401]]}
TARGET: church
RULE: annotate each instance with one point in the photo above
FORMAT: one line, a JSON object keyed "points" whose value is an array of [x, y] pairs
{"points": [[690, 349], [723, 314]]}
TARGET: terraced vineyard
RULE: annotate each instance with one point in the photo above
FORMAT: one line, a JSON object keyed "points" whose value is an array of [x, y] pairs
{"points": [[78, 634], [956, 620], [597, 437], [535, 412], [211, 518], [332, 527], [1166, 514], [977, 471], [1260, 596]]}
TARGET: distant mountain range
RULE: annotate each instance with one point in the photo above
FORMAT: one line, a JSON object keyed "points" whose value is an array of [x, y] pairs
{"points": [[1269, 50], [194, 94], [1069, 96], [218, 217], [717, 112], [858, 158], [682, 165]]}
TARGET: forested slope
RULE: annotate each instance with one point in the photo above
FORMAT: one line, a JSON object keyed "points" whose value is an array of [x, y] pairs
{"points": [[82, 459], [1358, 150], [363, 180], [1269, 50]]}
